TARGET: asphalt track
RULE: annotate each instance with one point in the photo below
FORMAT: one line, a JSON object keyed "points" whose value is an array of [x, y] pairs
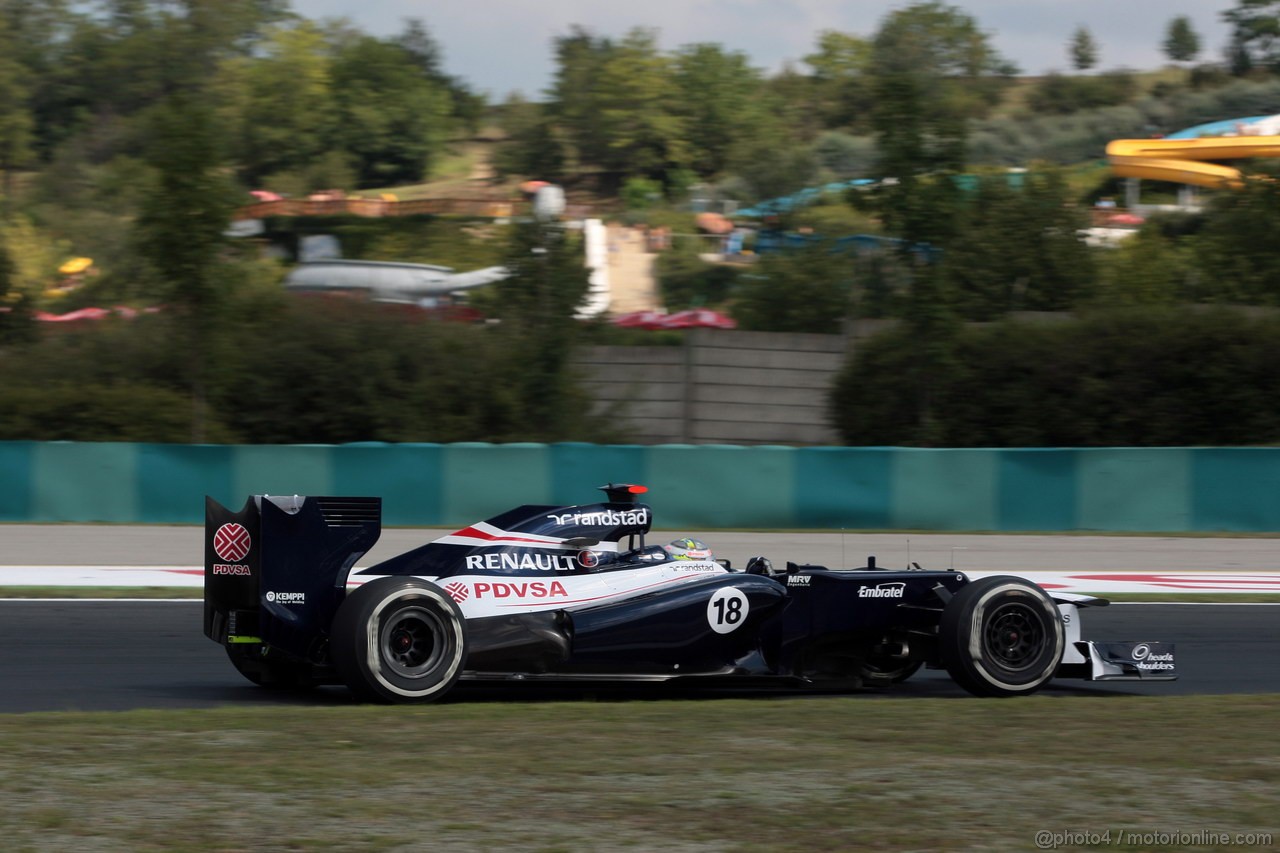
{"points": [[95, 655], [120, 655]]}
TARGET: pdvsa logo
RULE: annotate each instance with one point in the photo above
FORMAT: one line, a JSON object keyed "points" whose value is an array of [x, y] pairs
{"points": [[230, 569], [461, 592], [231, 542]]}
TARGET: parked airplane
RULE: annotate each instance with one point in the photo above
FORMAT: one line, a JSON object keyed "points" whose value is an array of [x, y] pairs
{"points": [[386, 281]]}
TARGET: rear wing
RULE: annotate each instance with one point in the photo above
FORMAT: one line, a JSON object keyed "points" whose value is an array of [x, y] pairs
{"points": [[276, 570]]}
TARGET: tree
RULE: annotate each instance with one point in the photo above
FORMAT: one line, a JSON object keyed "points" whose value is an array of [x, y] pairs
{"points": [[15, 117], [1255, 35], [1238, 263], [533, 146], [391, 119], [840, 78], [801, 290], [576, 95], [642, 134], [536, 303], [1181, 42], [280, 103], [1083, 49], [466, 105], [718, 102], [942, 44], [180, 231], [1018, 248]]}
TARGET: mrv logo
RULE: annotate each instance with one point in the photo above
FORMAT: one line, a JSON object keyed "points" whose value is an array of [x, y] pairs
{"points": [[603, 517], [884, 590]]}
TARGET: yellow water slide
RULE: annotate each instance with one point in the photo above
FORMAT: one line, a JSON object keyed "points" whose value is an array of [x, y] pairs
{"points": [[1187, 161]]}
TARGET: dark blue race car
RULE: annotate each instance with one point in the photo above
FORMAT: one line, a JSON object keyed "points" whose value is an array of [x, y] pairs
{"points": [[577, 593]]}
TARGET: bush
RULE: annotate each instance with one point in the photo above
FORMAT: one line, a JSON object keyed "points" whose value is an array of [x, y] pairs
{"points": [[686, 281], [1135, 378]]}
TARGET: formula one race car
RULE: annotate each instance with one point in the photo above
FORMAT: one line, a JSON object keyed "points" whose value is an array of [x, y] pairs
{"points": [[576, 593]]}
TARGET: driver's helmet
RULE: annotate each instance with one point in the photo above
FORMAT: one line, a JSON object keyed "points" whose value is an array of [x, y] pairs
{"points": [[688, 549]]}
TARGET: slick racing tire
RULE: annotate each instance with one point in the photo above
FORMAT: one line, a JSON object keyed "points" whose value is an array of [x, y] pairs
{"points": [[1001, 636], [884, 672], [399, 640], [272, 674]]}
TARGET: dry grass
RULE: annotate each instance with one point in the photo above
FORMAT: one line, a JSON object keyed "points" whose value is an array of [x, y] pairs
{"points": [[792, 774]]}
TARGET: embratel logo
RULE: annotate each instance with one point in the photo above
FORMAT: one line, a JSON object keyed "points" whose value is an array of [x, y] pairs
{"points": [[884, 590], [588, 559], [232, 542]]}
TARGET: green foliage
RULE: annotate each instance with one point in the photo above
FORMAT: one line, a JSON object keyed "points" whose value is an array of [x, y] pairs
{"points": [[1181, 41], [180, 228], [1236, 251], [392, 119], [1255, 27], [641, 193], [279, 103], [533, 146], [16, 123], [841, 79], [686, 281], [1018, 248], [801, 290], [1059, 94], [845, 157], [1082, 49], [72, 411], [940, 43], [1147, 269], [1118, 379], [717, 100]]}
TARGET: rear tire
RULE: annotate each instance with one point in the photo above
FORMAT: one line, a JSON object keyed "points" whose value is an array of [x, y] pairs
{"points": [[399, 640], [271, 674], [1001, 636]]}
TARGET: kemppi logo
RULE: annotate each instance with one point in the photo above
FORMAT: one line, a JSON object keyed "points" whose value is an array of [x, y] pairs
{"points": [[884, 590]]}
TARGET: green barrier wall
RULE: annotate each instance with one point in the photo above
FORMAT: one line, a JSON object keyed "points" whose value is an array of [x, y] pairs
{"points": [[692, 487]]}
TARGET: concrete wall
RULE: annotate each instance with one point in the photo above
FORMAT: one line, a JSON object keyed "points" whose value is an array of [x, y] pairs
{"points": [[1171, 489], [720, 387]]}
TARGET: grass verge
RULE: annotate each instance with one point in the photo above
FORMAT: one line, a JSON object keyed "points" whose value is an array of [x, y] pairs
{"points": [[812, 773]]}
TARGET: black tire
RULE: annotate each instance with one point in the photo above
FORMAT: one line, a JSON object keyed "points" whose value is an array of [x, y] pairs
{"points": [[1001, 636], [399, 640], [884, 672], [272, 674]]}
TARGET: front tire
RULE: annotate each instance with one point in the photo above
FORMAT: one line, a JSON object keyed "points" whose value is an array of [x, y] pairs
{"points": [[399, 640], [1001, 636]]}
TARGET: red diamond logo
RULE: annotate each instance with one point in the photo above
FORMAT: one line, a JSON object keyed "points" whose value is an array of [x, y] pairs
{"points": [[231, 542], [458, 591]]}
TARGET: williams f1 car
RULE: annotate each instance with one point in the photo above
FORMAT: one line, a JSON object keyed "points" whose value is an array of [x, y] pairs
{"points": [[570, 593]]}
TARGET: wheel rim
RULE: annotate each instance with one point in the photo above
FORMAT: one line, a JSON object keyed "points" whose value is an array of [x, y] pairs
{"points": [[412, 641], [1014, 636]]}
